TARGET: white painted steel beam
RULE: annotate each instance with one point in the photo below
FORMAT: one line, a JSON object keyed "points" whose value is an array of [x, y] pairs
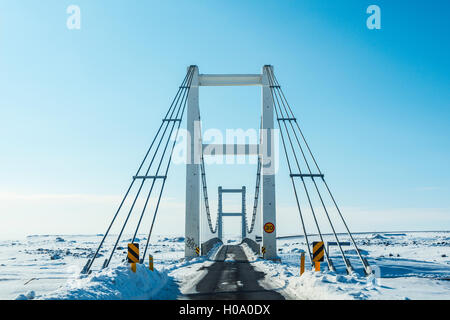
{"points": [[268, 167], [230, 149], [232, 214], [232, 191], [230, 80], [192, 223]]}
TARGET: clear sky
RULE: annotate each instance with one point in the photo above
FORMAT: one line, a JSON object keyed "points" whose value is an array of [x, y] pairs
{"points": [[78, 108]]}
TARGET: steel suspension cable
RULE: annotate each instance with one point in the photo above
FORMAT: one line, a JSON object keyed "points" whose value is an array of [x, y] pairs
{"points": [[257, 186], [168, 164], [293, 119], [168, 120], [366, 265], [364, 261], [256, 198], [279, 113], [90, 262], [298, 126], [142, 184], [293, 184], [205, 195]]}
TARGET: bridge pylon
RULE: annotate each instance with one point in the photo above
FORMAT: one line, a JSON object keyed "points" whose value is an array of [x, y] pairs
{"points": [[265, 151]]}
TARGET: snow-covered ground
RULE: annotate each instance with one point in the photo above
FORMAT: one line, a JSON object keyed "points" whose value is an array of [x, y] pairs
{"points": [[408, 266], [44, 263]]}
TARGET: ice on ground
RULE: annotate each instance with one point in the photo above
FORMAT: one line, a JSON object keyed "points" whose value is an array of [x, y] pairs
{"points": [[175, 239], [188, 273], [377, 236], [285, 278], [30, 295], [44, 263], [394, 279], [408, 265], [118, 283]]}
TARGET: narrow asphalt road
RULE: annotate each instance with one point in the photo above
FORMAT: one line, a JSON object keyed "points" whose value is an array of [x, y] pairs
{"points": [[231, 276]]}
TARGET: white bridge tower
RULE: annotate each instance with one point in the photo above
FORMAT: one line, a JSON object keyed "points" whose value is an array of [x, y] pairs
{"points": [[265, 149]]}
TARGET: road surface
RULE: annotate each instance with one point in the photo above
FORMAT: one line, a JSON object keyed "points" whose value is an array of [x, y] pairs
{"points": [[231, 276]]}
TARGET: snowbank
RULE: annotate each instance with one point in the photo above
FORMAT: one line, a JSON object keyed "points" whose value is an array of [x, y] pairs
{"points": [[408, 267], [311, 285], [30, 295], [118, 283], [189, 272]]}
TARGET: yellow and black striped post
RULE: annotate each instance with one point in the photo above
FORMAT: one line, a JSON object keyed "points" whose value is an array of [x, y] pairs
{"points": [[318, 252], [302, 263], [197, 251], [150, 262], [133, 255], [263, 250]]}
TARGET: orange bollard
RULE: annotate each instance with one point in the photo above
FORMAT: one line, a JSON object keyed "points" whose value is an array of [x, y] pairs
{"points": [[133, 267], [317, 265], [150, 262], [302, 263]]}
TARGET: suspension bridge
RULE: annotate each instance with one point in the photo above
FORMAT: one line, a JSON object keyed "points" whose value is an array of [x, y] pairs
{"points": [[304, 173]]}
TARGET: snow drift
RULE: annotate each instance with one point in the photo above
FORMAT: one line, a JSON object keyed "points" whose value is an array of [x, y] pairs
{"points": [[118, 283]]}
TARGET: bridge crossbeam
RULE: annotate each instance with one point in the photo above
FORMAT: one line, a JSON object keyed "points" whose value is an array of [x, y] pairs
{"points": [[221, 214], [229, 79], [232, 214], [230, 149]]}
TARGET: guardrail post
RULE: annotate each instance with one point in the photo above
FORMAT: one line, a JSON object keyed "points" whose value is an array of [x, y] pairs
{"points": [[318, 253], [150, 262], [302, 263], [133, 255]]}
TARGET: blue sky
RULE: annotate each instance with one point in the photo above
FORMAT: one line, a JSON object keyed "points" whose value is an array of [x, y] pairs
{"points": [[78, 108]]}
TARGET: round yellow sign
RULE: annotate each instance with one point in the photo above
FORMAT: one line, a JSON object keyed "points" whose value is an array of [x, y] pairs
{"points": [[269, 227]]}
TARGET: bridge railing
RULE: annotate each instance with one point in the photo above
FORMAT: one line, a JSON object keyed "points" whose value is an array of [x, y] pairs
{"points": [[208, 245], [253, 245]]}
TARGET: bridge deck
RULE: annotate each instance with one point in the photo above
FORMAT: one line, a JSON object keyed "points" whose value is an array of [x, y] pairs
{"points": [[232, 277]]}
